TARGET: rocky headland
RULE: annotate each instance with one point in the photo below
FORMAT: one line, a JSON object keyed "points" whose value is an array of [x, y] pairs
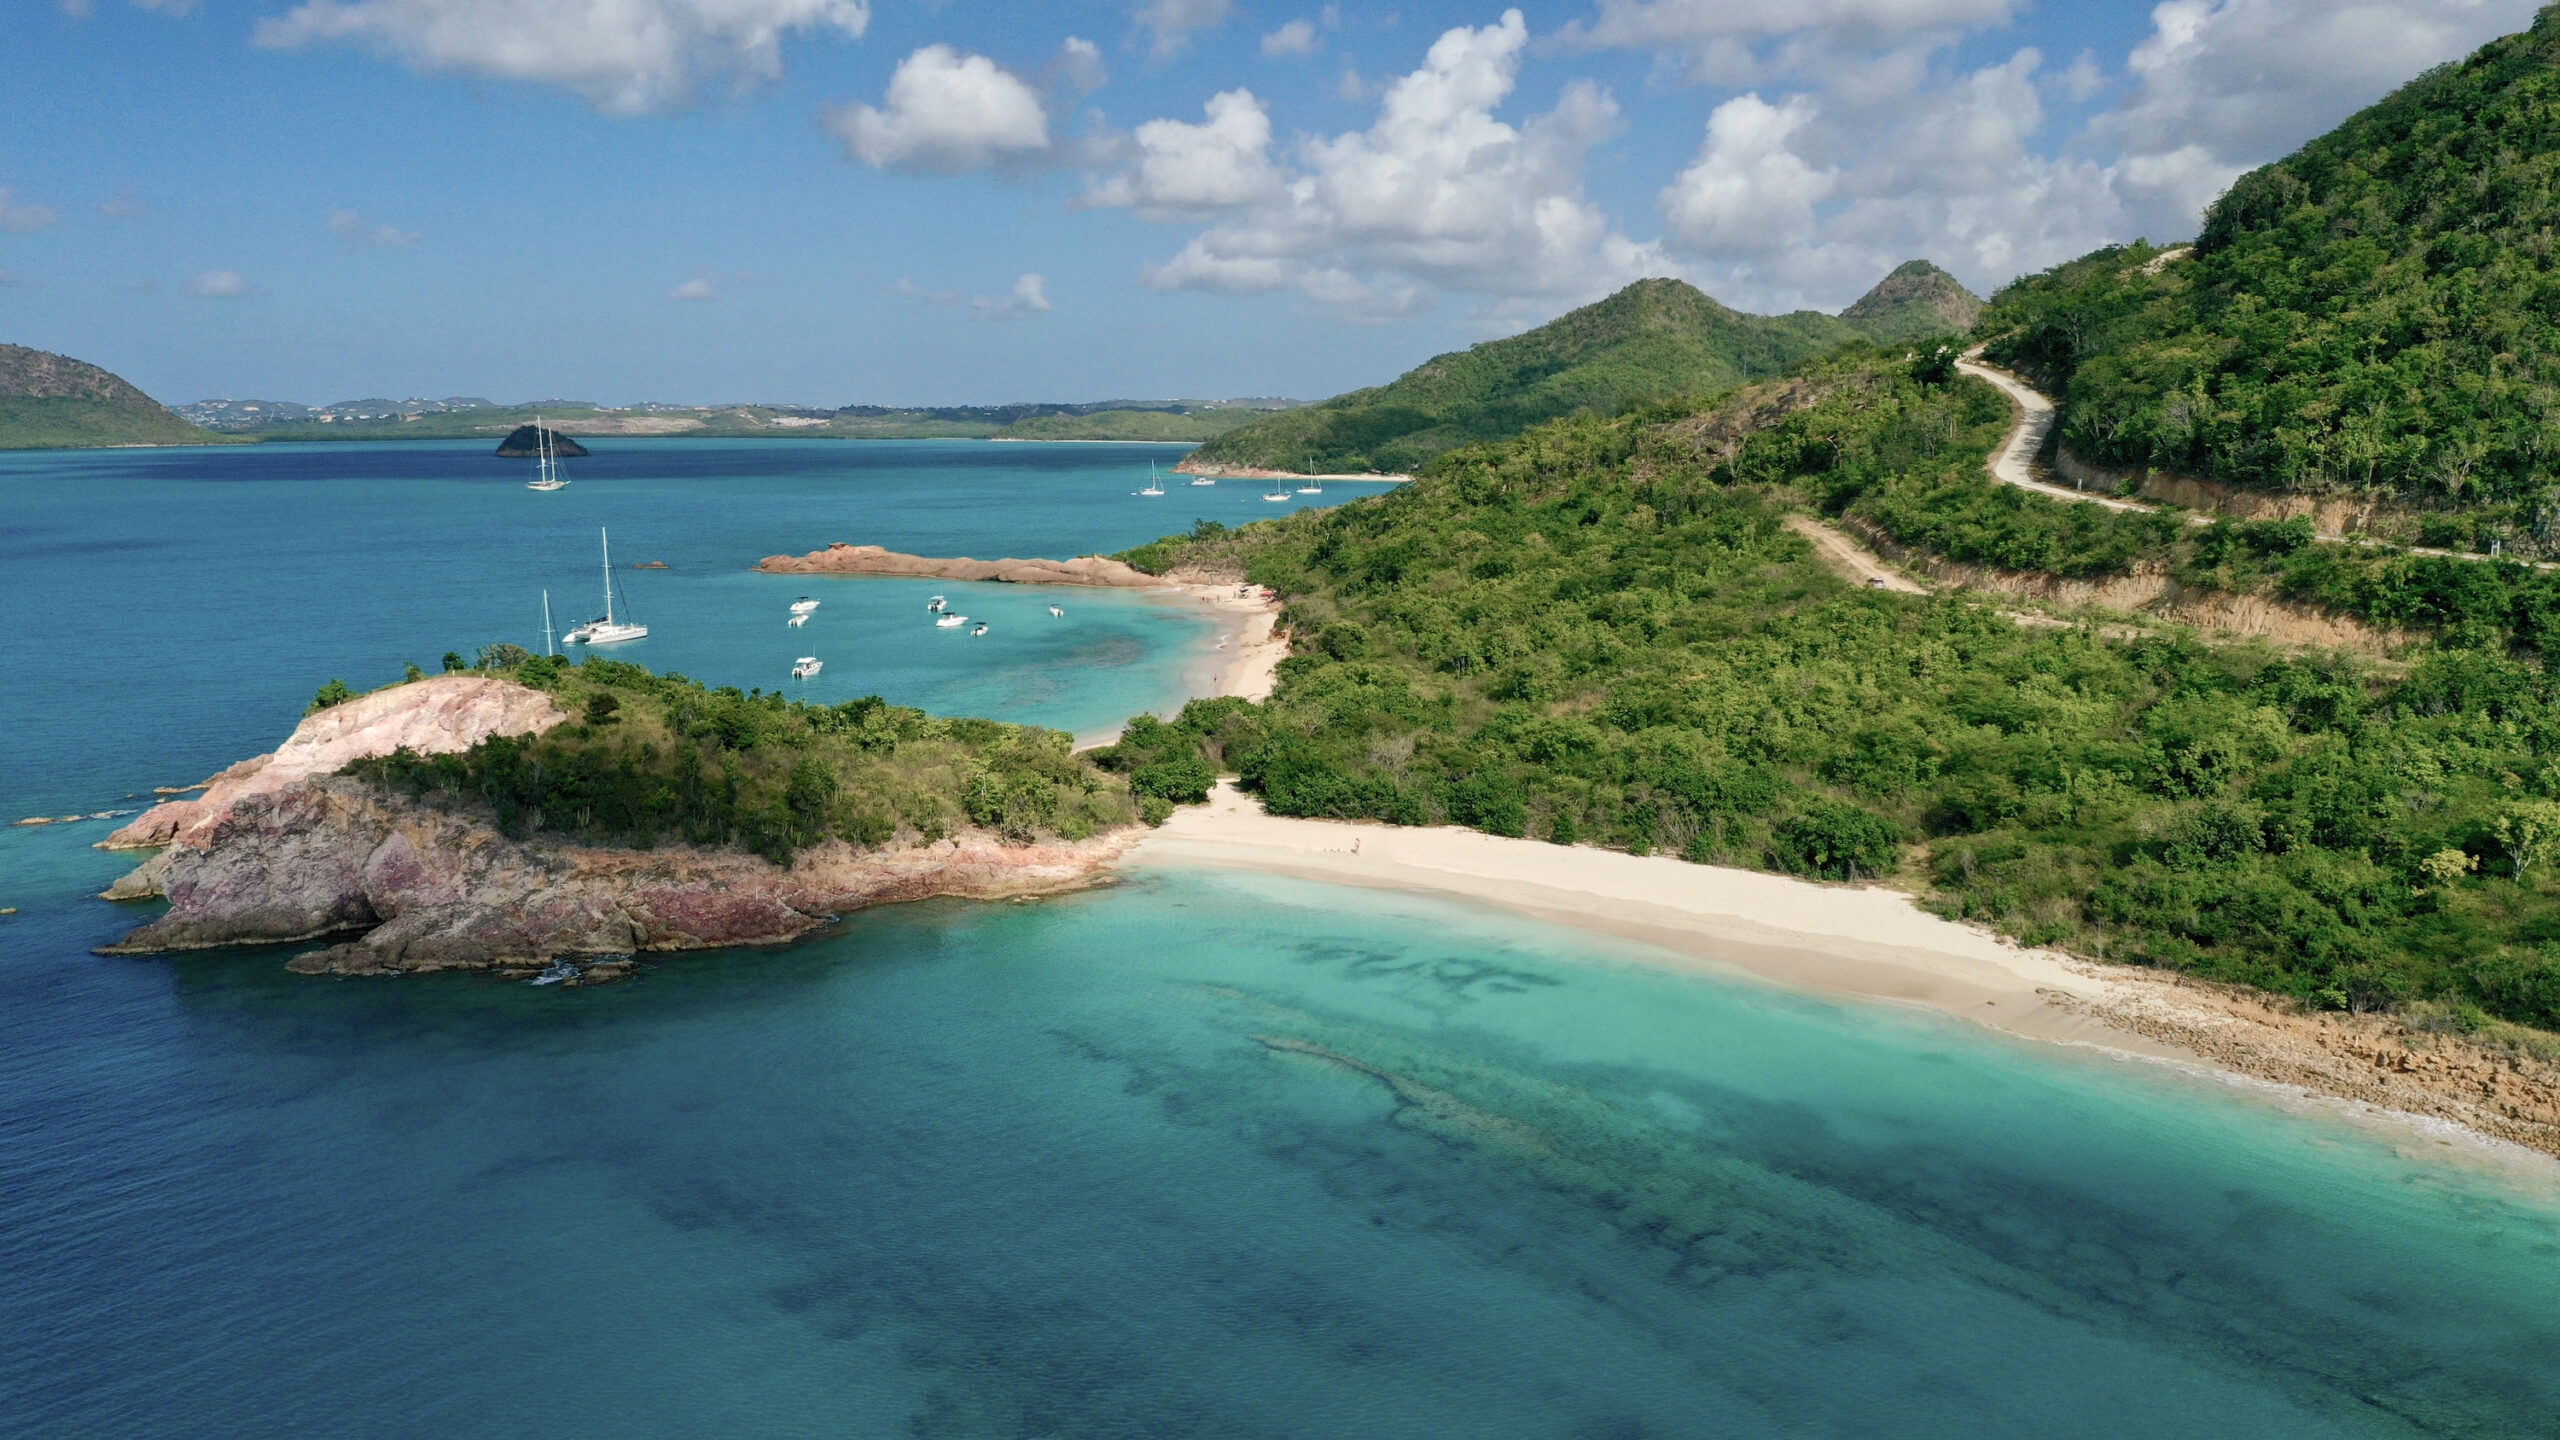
{"points": [[841, 558], [283, 848], [525, 442]]}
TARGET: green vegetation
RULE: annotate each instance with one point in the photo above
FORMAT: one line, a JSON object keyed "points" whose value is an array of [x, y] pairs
{"points": [[2372, 314], [1194, 426], [53, 402], [1654, 340], [1603, 633], [653, 758]]}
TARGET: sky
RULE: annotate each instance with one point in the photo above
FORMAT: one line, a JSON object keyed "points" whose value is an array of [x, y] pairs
{"points": [[962, 202]]}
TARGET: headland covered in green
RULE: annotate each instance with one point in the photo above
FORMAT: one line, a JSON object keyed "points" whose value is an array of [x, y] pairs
{"points": [[53, 402], [1654, 340]]}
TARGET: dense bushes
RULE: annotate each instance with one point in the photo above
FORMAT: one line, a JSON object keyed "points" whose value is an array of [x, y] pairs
{"points": [[1603, 633], [655, 758]]}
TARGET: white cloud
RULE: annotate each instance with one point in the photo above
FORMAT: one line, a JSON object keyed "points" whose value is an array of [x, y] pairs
{"points": [[2225, 85], [1173, 22], [1436, 195], [1747, 191], [1030, 297], [698, 288], [20, 218], [356, 233], [1298, 37], [625, 56], [946, 112], [219, 285], [1078, 66]]}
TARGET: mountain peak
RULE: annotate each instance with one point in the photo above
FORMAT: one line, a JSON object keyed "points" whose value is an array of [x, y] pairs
{"points": [[1917, 299]]}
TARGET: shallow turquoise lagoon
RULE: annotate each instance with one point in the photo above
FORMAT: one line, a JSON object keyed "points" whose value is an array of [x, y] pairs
{"points": [[1204, 1154]]}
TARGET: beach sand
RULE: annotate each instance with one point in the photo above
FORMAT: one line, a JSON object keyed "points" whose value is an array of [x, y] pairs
{"points": [[1876, 944]]}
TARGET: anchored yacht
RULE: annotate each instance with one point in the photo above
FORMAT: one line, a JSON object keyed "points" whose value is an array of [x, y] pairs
{"points": [[607, 631]]}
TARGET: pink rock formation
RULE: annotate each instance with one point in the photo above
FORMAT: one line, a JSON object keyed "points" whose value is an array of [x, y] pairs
{"points": [[841, 558], [282, 849], [445, 714]]}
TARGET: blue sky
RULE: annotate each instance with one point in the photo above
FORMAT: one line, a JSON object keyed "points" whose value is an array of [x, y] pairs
{"points": [[891, 201]]}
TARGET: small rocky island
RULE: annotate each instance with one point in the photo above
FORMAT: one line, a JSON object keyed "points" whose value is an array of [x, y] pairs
{"points": [[393, 828], [525, 443], [842, 558]]}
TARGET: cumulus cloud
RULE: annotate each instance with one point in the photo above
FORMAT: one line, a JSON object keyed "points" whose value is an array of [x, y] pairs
{"points": [[19, 217], [1298, 37], [1171, 23], [625, 56], [2221, 86], [946, 112], [356, 233], [1030, 296], [219, 285], [1747, 190], [1437, 195], [699, 288]]}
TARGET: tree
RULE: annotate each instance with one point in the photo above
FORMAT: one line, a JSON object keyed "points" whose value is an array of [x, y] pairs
{"points": [[2529, 829], [503, 656], [601, 708], [453, 661], [333, 693], [411, 674]]}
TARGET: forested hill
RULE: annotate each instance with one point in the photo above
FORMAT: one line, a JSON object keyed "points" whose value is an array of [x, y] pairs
{"points": [[1653, 340], [53, 402], [1606, 632], [2378, 312]]}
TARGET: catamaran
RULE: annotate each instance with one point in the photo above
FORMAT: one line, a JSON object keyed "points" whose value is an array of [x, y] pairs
{"points": [[546, 465], [607, 631]]}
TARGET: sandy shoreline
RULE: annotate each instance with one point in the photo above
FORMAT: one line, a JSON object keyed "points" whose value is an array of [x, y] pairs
{"points": [[1876, 944]]}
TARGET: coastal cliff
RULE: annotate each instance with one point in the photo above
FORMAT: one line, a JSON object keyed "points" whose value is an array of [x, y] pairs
{"points": [[841, 558], [284, 848]]}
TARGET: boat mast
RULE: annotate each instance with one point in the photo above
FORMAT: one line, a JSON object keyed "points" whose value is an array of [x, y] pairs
{"points": [[608, 573], [546, 623]]}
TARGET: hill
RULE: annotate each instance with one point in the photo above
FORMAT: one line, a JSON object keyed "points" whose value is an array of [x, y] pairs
{"points": [[2371, 315], [1607, 632], [53, 402], [1654, 339], [1194, 426], [525, 442]]}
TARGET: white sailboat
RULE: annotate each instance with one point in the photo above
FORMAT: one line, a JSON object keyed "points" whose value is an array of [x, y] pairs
{"points": [[1312, 487], [607, 631], [546, 465], [1280, 496], [1155, 482]]}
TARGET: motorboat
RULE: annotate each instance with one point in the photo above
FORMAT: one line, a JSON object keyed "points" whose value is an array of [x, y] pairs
{"points": [[937, 605], [951, 622], [560, 970], [1054, 610], [981, 630], [546, 474], [608, 630], [796, 621], [1203, 480], [803, 605], [806, 666]]}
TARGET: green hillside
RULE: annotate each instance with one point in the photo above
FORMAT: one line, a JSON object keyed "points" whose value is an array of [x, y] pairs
{"points": [[53, 402], [2377, 313], [1654, 339], [1604, 632], [1130, 425]]}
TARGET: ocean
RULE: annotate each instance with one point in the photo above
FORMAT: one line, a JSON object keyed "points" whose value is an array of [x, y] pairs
{"points": [[1206, 1153]]}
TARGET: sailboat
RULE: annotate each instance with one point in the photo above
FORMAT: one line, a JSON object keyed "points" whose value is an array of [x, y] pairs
{"points": [[1155, 482], [607, 631], [1279, 496], [547, 466], [1312, 487]]}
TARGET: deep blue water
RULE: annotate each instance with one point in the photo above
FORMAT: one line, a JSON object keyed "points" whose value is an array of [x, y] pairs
{"points": [[1206, 1154]]}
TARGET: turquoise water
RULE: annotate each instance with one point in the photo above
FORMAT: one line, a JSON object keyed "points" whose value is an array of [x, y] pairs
{"points": [[1206, 1154]]}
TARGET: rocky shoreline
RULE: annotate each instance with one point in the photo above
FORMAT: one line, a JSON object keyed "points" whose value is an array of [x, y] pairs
{"points": [[842, 558], [283, 849]]}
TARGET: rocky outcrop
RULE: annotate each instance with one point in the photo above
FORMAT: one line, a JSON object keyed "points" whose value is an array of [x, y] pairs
{"points": [[442, 715], [284, 848], [421, 889], [841, 558], [525, 442]]}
